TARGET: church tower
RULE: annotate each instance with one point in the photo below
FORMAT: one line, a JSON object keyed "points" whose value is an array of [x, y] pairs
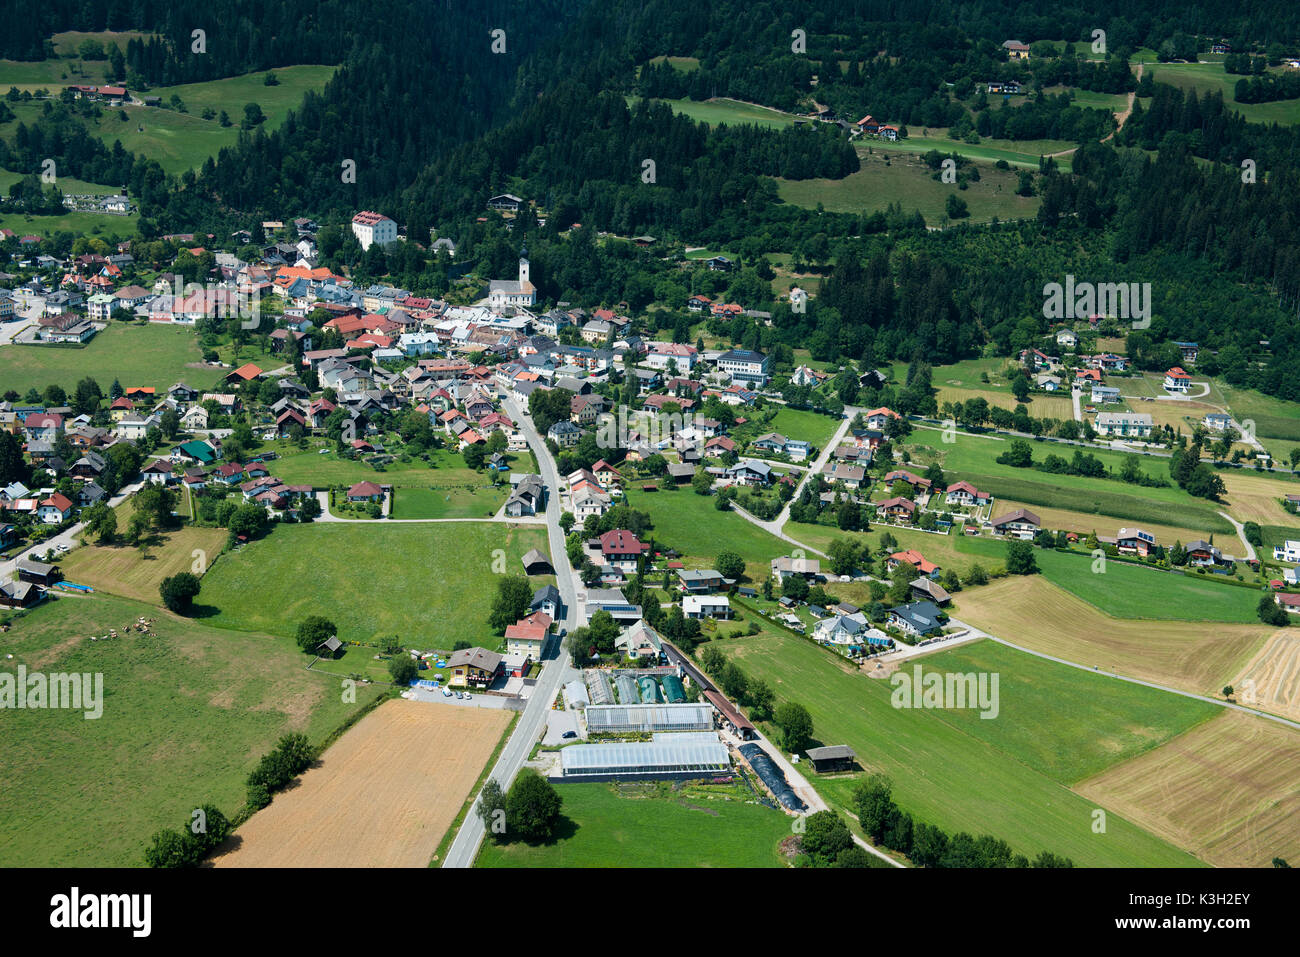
{"points": [[523, 265]]}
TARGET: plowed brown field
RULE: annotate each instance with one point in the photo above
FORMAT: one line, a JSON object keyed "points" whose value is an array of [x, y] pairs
{"points": [[382, 796]]}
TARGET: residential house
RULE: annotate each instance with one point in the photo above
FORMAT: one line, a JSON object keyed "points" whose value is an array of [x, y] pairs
{"points": [[898, 509], [750, 472], [1202, 554], [473, 667], [963, 493], [787, 567], [1021, 523], [1135, 425], [640, 641], [706, 606], [1135, 541], [914, 558], [55, 509], [1177, 380], [920, 618]]}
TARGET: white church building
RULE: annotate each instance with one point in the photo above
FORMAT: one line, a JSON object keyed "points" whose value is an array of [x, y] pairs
{"points": [[504, 292]]}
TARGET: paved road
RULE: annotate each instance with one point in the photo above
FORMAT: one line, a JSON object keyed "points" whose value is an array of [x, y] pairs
{"points": [[1241, 533], [9, 568], [557, 671]]}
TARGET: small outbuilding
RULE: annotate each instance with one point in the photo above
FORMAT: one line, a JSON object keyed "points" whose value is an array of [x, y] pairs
{"points": [[833, 757], [535, 563]]}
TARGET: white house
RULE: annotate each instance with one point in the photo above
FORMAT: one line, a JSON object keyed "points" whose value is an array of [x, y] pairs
{"points": [[372, 228], [1133, 425], [744, 366], [1288, 551], [1176, 380], [706, 606]]}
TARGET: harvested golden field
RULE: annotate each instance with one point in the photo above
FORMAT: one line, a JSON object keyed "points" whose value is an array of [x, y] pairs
{"points": [[1041, 406], [1225, 790], [1105, 525], [1193, 656], [124, 570], [382, 796], [1258, 498], [1271, 682]]}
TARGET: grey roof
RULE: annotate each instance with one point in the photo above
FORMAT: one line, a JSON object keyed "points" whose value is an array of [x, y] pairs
{"points": [[830, 752], [647, 756]]}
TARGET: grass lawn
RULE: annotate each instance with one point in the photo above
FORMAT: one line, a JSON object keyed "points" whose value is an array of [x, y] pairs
{"points": [[801, 424], [982, 780], [156, 354], [308, 467], [102, 225], [974, 459], [888, 177], [653, 825], [455, 503], [1211, 78], [188, 712], [428, 584], [1085, 522], [1131, 591], [122, 570], [1274, 418], [70, 185], [689, 523]]}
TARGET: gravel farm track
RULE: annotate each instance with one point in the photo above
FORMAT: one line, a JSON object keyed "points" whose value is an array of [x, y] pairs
{"points": [[382, 795]]}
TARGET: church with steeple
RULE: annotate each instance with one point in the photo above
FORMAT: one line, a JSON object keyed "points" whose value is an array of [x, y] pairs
{"points": [[504, 292]]}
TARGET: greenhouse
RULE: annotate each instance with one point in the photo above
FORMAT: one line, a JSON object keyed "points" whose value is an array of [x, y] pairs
{"points": [[674, 693], [644, 759], [598, 688], [639, 717], [627, 692], [649, 690]]}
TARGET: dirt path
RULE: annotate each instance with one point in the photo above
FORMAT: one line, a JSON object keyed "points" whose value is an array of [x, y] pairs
{"points": [[1121, 118]]}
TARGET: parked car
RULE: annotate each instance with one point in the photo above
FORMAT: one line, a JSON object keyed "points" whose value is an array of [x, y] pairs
{"points": [[446, 692], [569, 734]]}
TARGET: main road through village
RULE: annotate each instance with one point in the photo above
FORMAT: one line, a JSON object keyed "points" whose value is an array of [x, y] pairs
{"points": [[558, 669]]}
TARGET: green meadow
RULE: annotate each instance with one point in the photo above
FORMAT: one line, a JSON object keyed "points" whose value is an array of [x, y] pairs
{"points": [[644, 825], [187, 712], [428, 584], [1008, 776]]}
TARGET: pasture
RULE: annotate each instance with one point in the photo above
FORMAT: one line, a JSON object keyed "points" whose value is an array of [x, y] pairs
{"points": [[945, 774], [188, 711], [1034, 613], [689, 523], [1256, 497], [1210, 77], [902, 178], [428, 584], [649, 825], [123, 570], [383, 795], [1225, 789], [731, 112], [801, 424], [1024, 153], [137, 354], [1085, 522], [182, 141]]}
